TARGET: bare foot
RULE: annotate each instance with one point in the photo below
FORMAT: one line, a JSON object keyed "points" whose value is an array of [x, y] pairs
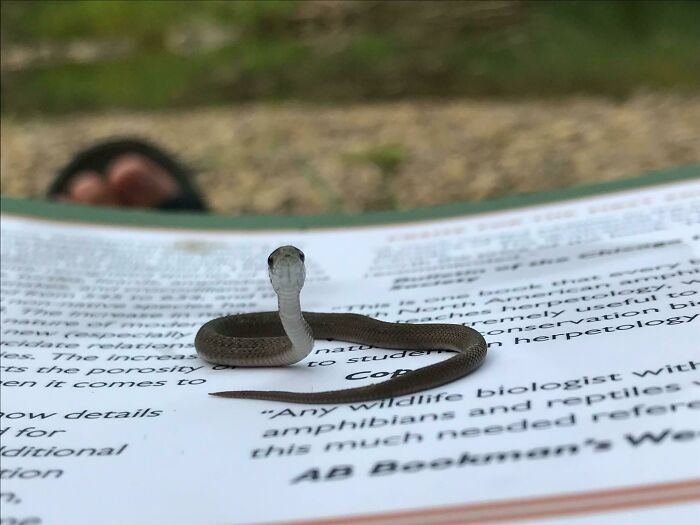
{"points": [[131, 180]]}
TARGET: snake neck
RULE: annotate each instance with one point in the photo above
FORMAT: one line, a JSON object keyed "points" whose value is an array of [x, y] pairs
{"points": [[295, 326]]}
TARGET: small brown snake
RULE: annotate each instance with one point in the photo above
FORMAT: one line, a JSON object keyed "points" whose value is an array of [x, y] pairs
{"points": [[287, 336]]}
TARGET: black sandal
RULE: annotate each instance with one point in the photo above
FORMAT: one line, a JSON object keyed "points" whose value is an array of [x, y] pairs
{"points": [[97, 158]]}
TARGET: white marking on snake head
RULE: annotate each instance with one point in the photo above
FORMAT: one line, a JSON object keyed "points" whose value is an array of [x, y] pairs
{"points": [[286, 269]]}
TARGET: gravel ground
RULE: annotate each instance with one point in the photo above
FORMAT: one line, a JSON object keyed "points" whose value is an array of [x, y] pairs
{"points": [[302, 159]]}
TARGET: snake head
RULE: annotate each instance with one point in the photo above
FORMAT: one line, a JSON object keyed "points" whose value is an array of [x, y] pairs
{"points": [[287, 270]]}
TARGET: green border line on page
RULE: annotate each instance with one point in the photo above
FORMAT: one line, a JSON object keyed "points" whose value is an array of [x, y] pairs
{"points": [[96, 215]]}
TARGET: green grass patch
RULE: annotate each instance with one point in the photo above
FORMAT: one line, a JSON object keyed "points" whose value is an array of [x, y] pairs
{"points": [[143, 20], [369, 50]]}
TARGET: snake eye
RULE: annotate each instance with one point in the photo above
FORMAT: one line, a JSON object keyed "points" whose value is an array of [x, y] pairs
{"points": [[302, 256], [269, 260]]}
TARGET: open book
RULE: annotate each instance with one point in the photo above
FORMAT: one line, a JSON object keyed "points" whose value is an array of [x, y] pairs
{"points": [[586, 407]]}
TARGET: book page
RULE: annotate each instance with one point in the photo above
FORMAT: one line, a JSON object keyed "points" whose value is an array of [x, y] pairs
{"points": [[586, 406]]}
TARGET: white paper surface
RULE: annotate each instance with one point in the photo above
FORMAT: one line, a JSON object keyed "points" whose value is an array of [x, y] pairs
{"points": [[591, 309]]}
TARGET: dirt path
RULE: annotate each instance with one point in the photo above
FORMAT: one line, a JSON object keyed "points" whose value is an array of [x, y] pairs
{"points": [[312, 159]]}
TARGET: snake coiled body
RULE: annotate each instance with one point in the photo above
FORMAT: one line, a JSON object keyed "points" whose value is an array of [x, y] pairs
{"points": [[285, 337]]}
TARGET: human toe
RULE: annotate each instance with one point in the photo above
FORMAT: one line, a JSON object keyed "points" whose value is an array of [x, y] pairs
{"points": [[89, 187], [139, 182]]}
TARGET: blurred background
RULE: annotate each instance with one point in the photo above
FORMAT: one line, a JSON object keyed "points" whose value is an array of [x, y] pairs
{"points": [[315, 106]]}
